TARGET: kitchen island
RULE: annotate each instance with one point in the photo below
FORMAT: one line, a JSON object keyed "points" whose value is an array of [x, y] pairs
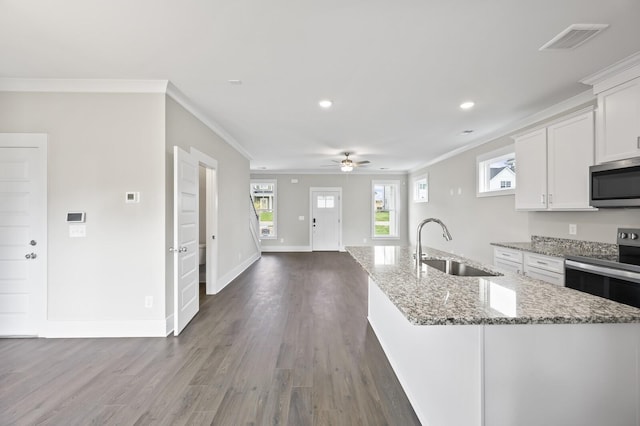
{"points": [[502, 350]]}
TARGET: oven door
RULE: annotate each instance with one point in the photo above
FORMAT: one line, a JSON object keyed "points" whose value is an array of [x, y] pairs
{"points": [[614, 284]]}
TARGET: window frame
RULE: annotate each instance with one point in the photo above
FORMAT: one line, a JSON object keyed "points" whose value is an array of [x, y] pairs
{"points": [[416, 190], [397, 210], [482, 171], [274, 208]]}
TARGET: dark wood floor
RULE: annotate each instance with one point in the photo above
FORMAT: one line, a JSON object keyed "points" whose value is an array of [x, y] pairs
{"points": [[286, 343]]}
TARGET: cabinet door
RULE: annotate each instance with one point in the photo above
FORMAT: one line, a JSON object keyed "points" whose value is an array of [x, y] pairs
{"points": [[570, 153], [531, 171], [619, 122]]}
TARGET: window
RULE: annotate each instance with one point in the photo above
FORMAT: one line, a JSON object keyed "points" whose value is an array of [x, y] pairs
{"points": [[326, 201], [496, 172], [263, 194], [386, 202], [421, 190]]}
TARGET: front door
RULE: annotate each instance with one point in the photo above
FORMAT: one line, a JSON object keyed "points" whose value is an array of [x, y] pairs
{"points": [[325, 220], [23, 233], [186, 297]]}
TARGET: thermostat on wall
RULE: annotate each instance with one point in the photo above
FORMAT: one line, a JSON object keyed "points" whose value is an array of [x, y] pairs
{"points": [[76, 217]]}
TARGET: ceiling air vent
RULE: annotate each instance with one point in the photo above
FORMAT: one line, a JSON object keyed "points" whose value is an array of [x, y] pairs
{"points": [[573, 36]]}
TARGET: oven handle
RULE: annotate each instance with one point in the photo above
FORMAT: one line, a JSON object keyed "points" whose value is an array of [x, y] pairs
{"points": [[609, 272]]}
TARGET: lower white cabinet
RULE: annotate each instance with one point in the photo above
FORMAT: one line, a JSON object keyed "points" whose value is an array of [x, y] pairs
{"points": [[508, 259], [541, 267], [545, 268]]}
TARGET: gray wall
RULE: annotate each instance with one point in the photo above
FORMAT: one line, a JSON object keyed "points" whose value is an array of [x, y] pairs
{"points": [[475, 222], [293, 201], [100, 146], [235, 245]]}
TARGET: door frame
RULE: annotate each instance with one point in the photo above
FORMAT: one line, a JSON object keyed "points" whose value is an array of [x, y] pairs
{"points": [[320, 189], [39, 141], [211, 212]]}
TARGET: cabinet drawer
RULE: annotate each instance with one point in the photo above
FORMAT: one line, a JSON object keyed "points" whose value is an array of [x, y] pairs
{"points": [[541, 274], [507, 265], [547, 263], [507, 254]]}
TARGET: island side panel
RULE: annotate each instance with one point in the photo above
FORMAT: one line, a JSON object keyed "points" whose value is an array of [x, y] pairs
{"points": [[439, 367], [562, 374]]}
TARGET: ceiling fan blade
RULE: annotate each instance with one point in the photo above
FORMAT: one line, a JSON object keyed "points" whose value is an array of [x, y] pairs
{"points": [[362, 163]]}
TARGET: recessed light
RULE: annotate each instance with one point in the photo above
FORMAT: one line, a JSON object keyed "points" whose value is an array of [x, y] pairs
{"points": [[325, 103], [467, 105], [234, 81]]}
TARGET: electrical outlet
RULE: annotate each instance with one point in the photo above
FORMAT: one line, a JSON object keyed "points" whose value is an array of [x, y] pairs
{"points": [[573, 229], [281, 240], [364, 240], [148, 302]]}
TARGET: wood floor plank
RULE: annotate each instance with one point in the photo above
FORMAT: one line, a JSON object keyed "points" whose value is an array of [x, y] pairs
{"points": [[286, 343]]}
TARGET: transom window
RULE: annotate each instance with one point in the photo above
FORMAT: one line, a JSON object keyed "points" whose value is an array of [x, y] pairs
{"points": [[496, 172]]}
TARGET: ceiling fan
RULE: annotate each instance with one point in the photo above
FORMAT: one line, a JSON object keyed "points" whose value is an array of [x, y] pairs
{"points": [[347, 164]]}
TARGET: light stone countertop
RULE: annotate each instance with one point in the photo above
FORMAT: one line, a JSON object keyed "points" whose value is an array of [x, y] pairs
{"points": [[560, 247], [436, 298]]}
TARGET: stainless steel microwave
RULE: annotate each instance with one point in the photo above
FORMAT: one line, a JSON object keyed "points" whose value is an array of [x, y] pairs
{"points": [[615, 184]]}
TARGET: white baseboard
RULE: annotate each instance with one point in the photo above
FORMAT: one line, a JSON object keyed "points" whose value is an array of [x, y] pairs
{"points": [[224, 280], [169, 324], [88, 329], [274, 249]]}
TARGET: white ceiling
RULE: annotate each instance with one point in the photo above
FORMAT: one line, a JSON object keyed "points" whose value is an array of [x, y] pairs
{"points": [[396, 70]]}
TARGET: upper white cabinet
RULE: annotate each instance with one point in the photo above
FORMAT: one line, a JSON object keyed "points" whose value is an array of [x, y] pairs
{"points": [[552, 165], [618, 122], [618, 114]]}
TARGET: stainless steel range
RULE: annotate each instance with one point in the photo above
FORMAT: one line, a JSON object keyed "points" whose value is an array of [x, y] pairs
{"points": [[617, 279]]}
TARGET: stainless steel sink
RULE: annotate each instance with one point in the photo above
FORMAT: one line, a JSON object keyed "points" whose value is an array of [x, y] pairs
{"points": [[453, 267]]}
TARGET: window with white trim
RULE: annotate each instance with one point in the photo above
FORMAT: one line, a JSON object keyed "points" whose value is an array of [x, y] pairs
{"points": [[496, 172], [421, 189], [263, 194], [386, 203]]}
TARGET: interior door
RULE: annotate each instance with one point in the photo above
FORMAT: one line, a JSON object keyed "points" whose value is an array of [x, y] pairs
{"points": [[186, 295], [325, 220], [23, 245]]}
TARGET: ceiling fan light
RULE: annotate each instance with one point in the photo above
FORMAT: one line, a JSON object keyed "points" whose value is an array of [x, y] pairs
{"points": [[346, 167]]}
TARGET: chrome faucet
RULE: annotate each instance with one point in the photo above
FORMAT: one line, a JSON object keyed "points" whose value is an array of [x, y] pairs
{"points": [[445, 234]]}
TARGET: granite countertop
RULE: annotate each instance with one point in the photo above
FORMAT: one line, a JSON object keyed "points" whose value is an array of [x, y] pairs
{"points": [[436, 298], [560, 247]]}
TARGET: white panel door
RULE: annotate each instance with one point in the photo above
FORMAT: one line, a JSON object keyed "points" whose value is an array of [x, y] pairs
{"points": [[23, 245], [186, 296], [325, 220]]}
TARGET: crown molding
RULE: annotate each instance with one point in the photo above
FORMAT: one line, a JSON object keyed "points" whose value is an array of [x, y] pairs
{"points": [[64, 85], [67, 85], [559, 108], [327, 172], [615, 74], [174, 93]]}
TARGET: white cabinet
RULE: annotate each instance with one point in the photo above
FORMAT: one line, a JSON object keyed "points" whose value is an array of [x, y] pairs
{"points": [[545, 268], [507, 259], [552, 165], [618, 122], [531, 170]]}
